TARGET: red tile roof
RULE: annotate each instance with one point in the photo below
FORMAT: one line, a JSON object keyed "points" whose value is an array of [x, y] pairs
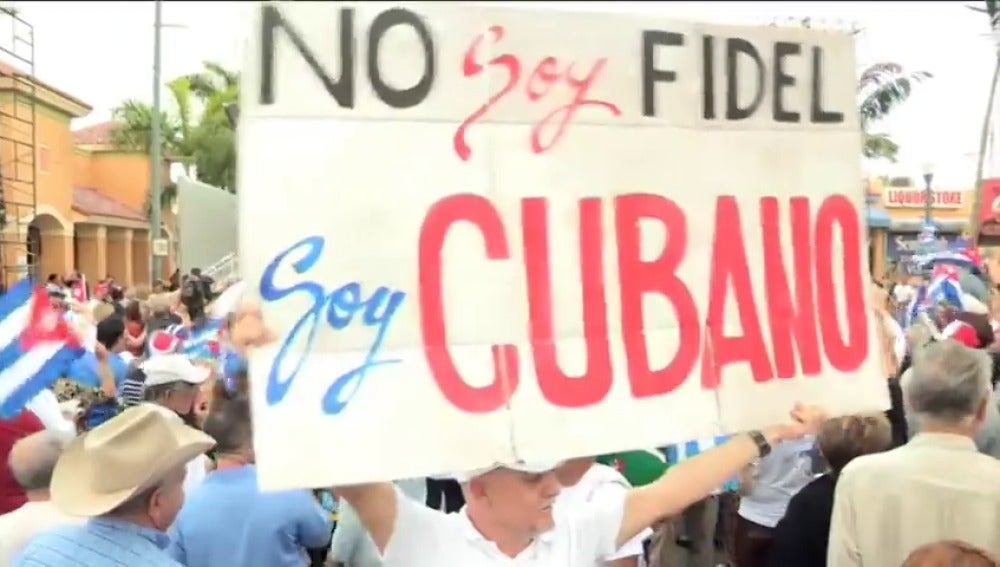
{"points": [[97, 134], [90, 201], [8, 70]]}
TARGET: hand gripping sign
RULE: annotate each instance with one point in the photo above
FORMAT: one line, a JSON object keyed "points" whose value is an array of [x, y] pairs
{"points": [[494, 234]]}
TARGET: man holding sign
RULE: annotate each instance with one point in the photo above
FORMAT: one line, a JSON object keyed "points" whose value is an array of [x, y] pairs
{"points": [[526, 236], [508, 511]]}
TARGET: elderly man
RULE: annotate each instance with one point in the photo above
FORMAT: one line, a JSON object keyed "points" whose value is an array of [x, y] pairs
{"points": [[937, 486], [126, 476], [31, 462], [174, 384], [227, 520]]}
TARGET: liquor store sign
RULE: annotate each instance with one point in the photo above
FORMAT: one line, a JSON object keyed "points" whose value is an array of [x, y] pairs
{"points": [[905, 198]]}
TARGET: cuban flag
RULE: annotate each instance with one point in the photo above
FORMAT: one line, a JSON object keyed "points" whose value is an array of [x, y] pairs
{"points": [[164, 341], [202, 343], [917, 305], [966, 255], [231, 364], [944, 287], [37, 346], [684, 451]]}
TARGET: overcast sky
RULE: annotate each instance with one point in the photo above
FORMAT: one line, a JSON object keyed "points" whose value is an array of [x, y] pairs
{"points": [[102, 52]]}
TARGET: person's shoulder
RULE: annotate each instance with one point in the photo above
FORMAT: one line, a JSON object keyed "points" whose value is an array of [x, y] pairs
{"points": [[819, 489], [59, 537], [985, 462], [601, 475], [859, 467]]}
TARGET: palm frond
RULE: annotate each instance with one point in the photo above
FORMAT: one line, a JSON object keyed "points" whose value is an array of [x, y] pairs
{"points": [[228, 79], [212, 79], [879, 146], [991, 9], [882, 87], [134, 125], [180, 90]]}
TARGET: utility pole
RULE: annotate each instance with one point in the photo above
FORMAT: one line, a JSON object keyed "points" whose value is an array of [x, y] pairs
{"points": [[156, 148]]}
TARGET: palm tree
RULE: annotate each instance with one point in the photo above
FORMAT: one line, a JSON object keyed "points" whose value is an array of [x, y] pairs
{"points": [[881, 89], [213, 78], [216, 88], [992, 11], [134, 125]]}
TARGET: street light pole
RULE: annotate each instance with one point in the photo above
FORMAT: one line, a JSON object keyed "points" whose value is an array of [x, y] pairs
{"points": [[928, 192], [156, 145]]}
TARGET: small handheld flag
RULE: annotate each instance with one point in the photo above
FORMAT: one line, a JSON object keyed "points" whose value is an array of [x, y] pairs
{"points": [[36, 346]]}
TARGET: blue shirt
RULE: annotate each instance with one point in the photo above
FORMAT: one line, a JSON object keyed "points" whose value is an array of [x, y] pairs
{"points": [[83, 370], [227, 520], [98, 543]]}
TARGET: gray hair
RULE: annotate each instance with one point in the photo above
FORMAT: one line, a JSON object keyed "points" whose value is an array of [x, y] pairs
{"points": [[947, 382], [33, 464]]}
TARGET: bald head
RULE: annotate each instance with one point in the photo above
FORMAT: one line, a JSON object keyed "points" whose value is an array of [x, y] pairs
{"points": [[33, 458]]}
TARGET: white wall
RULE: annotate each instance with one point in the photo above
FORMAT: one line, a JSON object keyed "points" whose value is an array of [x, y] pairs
{"points": [[206, 220]]}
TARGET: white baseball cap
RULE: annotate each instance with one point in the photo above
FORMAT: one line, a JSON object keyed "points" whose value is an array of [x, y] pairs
{"points": [[169, 368], [534, 467]]}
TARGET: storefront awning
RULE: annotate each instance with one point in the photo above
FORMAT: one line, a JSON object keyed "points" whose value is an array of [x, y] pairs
{"points": [[877, 217], [916, 225]]}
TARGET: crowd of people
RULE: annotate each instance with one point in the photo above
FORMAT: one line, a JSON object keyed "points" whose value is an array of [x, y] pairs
{"points": [[148, 459]]}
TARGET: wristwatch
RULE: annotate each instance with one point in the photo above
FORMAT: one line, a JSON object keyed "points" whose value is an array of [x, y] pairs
{"points": [[763, 447]]}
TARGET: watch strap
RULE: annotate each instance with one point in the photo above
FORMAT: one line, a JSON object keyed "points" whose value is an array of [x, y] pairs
{"points": [[763, 447]]}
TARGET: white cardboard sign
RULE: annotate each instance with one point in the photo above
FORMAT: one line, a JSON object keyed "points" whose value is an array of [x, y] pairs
{"points": [[489, 234]]}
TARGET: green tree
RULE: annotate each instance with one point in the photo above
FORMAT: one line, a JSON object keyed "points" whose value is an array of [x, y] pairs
{"points": [[134, 125], [881, 89], [215, 153], [193, 126]]}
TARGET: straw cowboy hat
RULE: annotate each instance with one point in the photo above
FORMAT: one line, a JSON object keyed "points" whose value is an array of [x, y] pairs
{"points": [[127, 454]]}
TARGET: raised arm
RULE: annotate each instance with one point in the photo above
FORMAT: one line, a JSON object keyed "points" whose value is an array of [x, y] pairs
{"points": [[695, 478], [376, 506]]}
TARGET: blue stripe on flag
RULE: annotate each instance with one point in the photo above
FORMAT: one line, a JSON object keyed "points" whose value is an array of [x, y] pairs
{"points": [[682, 451], [197, 344], [691, 448], [51, 371], [670, 453], [15, 298], [21, 385], [10, 353]]}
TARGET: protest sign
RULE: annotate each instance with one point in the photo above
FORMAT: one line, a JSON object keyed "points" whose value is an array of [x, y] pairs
{"points": [[488, 234]]}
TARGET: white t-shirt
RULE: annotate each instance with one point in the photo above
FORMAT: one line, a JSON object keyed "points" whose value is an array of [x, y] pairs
{"points": [[601, 482], [46, 408], [423, 537], [903, 293], [351, 544], [197, 470], [898, 336]]}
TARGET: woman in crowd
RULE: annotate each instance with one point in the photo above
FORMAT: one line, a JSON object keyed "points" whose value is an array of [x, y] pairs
{"points": [[767, 487], [801, 536], [135, 328]]}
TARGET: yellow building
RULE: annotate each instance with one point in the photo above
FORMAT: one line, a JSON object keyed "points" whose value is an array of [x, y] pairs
{"points": [[120, 178], [62, 212]]}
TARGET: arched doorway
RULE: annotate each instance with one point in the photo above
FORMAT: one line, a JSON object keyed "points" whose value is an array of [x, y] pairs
{"points": [[46, 246]]}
